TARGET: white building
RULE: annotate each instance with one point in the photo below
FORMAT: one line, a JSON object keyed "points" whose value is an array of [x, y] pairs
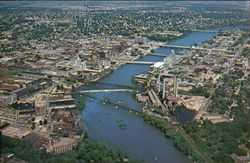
{"points": [[77, 64]]}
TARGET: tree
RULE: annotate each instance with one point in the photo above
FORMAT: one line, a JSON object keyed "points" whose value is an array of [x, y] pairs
{"points": [[33, 126], [58, 87], [45, 121], [86, 135], [73, 89], [38, 57], [80, 104]]}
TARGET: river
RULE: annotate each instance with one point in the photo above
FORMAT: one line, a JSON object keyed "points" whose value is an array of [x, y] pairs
{"points": [[139, 140]]}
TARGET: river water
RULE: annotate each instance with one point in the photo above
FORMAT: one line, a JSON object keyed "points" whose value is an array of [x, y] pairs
{"points": [[139, 140]]}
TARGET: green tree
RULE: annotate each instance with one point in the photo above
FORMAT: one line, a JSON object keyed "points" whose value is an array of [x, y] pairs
{"points": [[45, 121], [80, 103], [33, 126], [73, 89], [58, 87]]}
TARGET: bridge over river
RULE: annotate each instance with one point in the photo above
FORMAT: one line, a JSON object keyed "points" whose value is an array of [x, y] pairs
{"points": [[114, 88], [156, 54], [194, 48], [115, 104], [208, 31], [106, 90], [141, 62], [120, 86]]}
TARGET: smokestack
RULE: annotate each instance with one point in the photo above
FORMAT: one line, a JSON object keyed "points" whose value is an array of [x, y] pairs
{"points": [[159, 83], [164, 88], [175, 86]]}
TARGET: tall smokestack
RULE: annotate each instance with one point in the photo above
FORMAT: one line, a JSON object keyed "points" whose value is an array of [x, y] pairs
{"points": [[175, 86], [159, 83], [164, 88]]}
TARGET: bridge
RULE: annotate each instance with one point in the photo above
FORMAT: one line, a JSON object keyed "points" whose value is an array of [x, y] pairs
{"points": [[117, 104], [120, 86], [208, 31], [193, 47], [106, 90], [179, 46], [141, 62], [156, 54]]}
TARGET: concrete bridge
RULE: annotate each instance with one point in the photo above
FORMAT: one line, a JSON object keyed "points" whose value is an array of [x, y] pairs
{"points": [[193, 48], [156, 54], [176, 46], [208, 31], [112, 87], [120, 86], [106, 90], [141, 62], [118, 105]]}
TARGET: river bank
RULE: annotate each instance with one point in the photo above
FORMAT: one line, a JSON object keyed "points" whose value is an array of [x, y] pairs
{"points": [[181, 141]]}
